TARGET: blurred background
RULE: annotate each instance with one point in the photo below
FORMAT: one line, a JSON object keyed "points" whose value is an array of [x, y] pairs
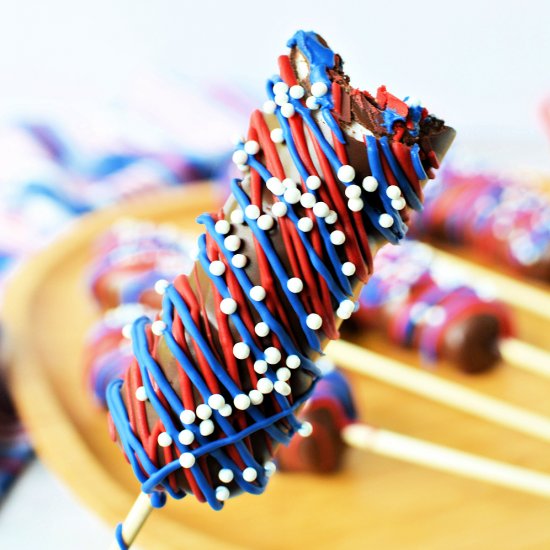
{"points": [[178, 79]]}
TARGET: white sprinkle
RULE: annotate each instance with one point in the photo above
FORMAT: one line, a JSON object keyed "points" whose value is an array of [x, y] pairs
{"points": [[241, 350], [289, 182], [337, 237], [296, 92], [164, 439], [186, 437], [222, 493], [346, 173], [279, 209], [280, 87], [332, 217], [398, 204], [311, 103], [243, 167], [295, 285], [348, 269], [141, 394], [277, 135], [236, 140], [370, 184], [216, 401], [321, 209], [292, 195], [226, 410], [158, 327], [287, 110], [265, 385], [385, 220], [305, 225], [353, 191], [306, 429], [269, 107], [217, 268], [282, 387], [265, 222], [393, 192], [187, 416], [239, 260], [241, 402], [225, 475], [293, 361], [258, 293], [314, 321], [319, 89], [251, 147], [313, 182], [204, 412], [252, 211], [250, 474], [260, 366], [272, 355], [256, 397], [281, 99], [283, 374], [355, 205], [240, 157], [308, 200], [261, 329], [270, 468], [206, 427], [237, 216], [275, 185], [228, 306], [161, 285], [232, 243], [187, 460], [345, 309]]}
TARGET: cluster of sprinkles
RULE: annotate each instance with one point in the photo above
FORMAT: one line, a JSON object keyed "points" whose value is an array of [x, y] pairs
{"points": [[425, 299], [276, 269]]}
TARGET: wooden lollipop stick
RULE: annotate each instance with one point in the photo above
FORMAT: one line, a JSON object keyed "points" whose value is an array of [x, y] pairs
{"points": [[445, 459], [516, 293], [134, 521], [526, 357], [357, 359]]}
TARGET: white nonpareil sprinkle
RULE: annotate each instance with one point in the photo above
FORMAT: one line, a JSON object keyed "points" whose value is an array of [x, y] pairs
{"points": [[287, 110], [272, 355], [337, 237], [250, 474], [292, 195], [293, 362], [269, 107], [275, 185], [279, 209], [241, 350], [353, 191], [346, 173], [240, 157], [260, 366], [164, 439], [241, 402], [228, 306], [216, 401], [251, 147], [280, 88], [393, 192], [222, 493], [187, 416], [311, 103], [282, 388], [158, 327], [237, 216], [252, 211], [355, 205], [348, 269], [370, 184], [265, 222], [313, 182], [187, 460], [277, 135], [305, 224], [261, 329], [295, 285], [319, 89], [306, 429], [186, 437], [314, 321], [232, 243], [385, 220], [204, 412], [217, 268], [239, 260], [257, 293], [308, 200], [296, 92], [141, 394], [225, 475]]}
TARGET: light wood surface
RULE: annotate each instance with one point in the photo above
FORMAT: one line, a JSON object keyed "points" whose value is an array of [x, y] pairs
{"points": [[374, 502]]}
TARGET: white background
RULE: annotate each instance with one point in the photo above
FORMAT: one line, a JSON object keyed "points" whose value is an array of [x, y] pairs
{"points": [[484, 66]]}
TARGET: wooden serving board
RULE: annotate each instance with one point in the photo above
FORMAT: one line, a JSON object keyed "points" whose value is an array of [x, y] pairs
{"points": [[373, 502]]}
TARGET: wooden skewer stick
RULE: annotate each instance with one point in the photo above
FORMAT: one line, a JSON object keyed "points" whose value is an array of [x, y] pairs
{"points": [[524, 356], [516, 293], [134, 521], [357, 359], [445, 459]]}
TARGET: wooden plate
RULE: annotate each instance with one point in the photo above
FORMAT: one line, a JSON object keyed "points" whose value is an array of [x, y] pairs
{"points": [[372, 503]]}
